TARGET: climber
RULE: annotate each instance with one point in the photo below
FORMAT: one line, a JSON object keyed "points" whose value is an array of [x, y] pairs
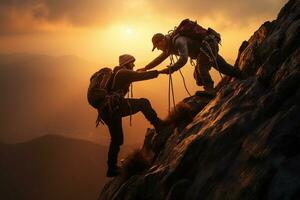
{"points": [[116, 106], [191, 40]]}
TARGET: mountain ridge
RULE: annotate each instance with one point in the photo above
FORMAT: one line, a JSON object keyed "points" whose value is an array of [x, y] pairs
{"points": [[243, 143], [52, 167]]}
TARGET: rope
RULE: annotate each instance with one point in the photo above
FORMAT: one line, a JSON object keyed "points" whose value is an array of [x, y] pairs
{"points": [[186, 89], [99, 119], [169, 94], [212, 55], [173, 94], [130, 95], [183, 79], [171, 86]]}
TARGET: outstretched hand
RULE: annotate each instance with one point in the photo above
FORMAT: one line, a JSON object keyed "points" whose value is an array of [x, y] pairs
{"points": [[142, 70]]}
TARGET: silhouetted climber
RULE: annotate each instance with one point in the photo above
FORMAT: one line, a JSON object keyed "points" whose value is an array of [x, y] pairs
{"points": [[115, 106], [191, 40]]}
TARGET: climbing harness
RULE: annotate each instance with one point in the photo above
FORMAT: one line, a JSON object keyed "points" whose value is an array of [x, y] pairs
{"points": [[210, 54], [112, 102]]}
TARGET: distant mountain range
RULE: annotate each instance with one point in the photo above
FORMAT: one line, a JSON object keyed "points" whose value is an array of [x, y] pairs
{"points": [[43, 95], [52, 168]]}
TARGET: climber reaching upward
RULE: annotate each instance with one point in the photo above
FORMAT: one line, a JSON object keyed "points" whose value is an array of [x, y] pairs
{"points": [[191, 40], [114, 106]]}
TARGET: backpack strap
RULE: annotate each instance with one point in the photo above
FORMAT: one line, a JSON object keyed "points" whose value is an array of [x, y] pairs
{"points": [[110, 82], [99, 119], [171, 39], [114, 79], [174, 38], [113, 85]]}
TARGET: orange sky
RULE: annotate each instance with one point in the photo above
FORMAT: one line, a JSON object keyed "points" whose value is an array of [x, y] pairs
{"points": [[99, 31]]}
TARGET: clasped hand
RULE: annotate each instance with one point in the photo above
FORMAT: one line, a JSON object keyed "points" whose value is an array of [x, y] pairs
{"points": [[166, 71]]}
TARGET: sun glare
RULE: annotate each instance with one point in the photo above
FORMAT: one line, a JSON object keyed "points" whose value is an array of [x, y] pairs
{"points": [[132, 38], [129, 31]]}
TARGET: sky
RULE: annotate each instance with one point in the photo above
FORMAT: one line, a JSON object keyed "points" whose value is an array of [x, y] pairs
{"points": [[100, 30]]}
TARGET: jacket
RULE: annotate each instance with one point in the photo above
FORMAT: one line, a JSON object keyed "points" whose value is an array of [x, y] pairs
{"points": [[181, 46], [124, 77]]}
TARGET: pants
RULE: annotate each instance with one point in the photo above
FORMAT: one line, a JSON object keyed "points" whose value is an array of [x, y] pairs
{"points": [[113, 120], [205, 62]]}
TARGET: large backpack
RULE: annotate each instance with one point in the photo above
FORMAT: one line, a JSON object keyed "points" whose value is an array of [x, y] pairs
{"points": [[193, 30], [98, 88]]}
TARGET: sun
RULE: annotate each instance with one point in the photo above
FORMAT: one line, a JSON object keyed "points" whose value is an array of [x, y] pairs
{"points": [[128, 30]]}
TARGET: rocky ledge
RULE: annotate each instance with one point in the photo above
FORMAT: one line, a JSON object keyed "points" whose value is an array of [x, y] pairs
{"points": [[243, 143]]}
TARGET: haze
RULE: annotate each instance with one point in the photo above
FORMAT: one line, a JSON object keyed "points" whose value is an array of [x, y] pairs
{"points": [[96, 32]]}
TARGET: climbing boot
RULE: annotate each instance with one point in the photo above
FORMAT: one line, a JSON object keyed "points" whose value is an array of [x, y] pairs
{"points": [[210, 90]]}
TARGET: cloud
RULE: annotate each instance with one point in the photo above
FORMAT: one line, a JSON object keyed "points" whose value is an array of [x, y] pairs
{"points": [[232, 11], [30, 16], [22, 16]]}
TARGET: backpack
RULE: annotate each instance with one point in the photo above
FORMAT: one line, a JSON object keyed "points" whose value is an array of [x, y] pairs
{"points": [[193, 30], [216, 36], [98, 88]]}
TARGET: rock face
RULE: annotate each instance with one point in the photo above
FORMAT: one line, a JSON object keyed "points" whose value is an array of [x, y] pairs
{"points": [[244, 144]]}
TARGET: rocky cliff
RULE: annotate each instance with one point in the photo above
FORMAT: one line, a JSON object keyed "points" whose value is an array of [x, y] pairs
{"points": [[241, 144]]}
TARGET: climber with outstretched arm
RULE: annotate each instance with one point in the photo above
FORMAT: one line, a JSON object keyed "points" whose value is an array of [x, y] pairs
{"points": [[204, 50]]}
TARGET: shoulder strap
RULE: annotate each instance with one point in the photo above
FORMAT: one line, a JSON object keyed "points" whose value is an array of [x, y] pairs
{"points": [[111, 82], [174, 38], [113, 85], [171, 42]]}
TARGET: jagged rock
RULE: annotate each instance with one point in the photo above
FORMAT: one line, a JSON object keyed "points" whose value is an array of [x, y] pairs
{"points": [[186, 110], [242, 144]]}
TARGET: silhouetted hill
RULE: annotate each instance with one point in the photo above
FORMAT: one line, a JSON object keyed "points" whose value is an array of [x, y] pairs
{"points": [[43, 95], [241, 144], [52, 167]]}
